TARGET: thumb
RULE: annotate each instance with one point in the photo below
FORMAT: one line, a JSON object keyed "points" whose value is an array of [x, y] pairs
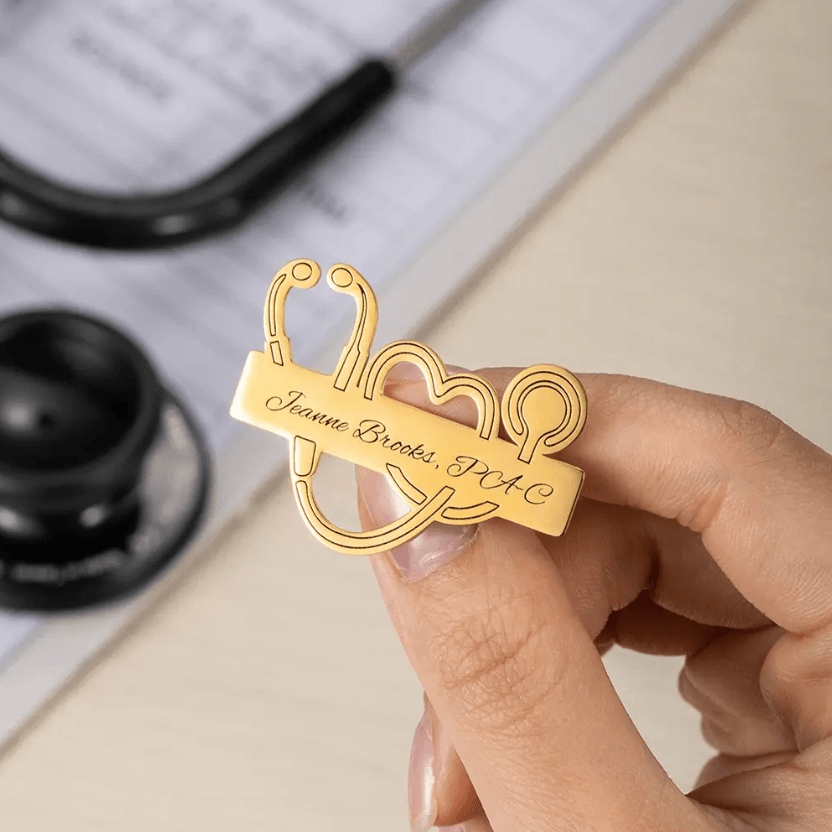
{"points": [[515, 678]]}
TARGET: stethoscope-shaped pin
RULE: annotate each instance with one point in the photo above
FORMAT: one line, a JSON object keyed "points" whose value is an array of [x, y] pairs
{"points": [[445, 471]]}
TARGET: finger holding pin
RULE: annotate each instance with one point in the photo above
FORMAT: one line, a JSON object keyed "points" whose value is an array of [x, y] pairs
{"points": [[543, 410]]}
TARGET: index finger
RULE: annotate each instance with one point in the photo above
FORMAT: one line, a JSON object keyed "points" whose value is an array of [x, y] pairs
{"points": [[759, 494]]}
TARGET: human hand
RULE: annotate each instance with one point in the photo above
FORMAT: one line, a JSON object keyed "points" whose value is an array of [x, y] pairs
{"points": [[704, 530]]}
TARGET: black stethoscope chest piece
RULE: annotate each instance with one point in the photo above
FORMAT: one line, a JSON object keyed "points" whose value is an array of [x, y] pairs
{"points": [[103, 474]]}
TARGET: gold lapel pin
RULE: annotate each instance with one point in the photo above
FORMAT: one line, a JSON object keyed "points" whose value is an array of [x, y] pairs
{"points": [[445, 471]]}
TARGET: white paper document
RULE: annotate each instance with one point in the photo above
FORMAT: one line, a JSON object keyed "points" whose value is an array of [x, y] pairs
{"points": [[142, 95]]}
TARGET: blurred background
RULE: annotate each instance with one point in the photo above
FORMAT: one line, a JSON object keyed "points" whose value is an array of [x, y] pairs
{"points": [[637, 186]]}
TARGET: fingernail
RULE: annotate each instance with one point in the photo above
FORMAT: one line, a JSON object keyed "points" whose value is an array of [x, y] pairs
{"points": [[438, 544], [421, 779]]}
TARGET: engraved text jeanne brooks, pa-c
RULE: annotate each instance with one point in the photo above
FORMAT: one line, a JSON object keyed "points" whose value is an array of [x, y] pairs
{"points": [[373, 431]]}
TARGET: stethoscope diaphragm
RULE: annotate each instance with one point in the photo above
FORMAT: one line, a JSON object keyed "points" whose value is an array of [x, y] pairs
{"points": [[104, 475]]}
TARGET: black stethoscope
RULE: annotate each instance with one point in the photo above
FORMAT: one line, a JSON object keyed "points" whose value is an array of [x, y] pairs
{"points": [[226, 197], [104, 474]]}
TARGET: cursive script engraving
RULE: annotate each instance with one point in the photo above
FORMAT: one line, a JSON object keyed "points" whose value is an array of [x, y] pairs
{"points": [[372, 431], [276, 404], [369, 431], [490, 480]]}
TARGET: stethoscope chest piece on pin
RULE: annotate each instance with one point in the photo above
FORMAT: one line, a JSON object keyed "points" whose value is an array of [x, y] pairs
{"points": [[443, 470], [103, 474]]}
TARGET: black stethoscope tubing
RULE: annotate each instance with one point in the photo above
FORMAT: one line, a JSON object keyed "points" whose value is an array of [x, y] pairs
{"points": [[215, 203], [226, 197]]}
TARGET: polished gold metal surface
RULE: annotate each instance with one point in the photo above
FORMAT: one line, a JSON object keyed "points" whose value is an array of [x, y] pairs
{"points": [[443, 470]]}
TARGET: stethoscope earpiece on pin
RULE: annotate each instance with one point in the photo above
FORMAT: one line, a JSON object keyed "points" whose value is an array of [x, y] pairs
{"points": [[103, 473]]}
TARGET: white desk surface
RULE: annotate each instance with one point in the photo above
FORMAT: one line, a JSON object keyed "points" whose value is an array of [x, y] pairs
{"points": [[268, 691]]}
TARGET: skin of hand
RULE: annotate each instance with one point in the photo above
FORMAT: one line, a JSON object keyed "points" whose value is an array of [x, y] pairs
{"points": [[704, 530]]}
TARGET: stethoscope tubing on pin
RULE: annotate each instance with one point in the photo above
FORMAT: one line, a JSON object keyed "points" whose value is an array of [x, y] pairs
{"points": [[356, 371]]}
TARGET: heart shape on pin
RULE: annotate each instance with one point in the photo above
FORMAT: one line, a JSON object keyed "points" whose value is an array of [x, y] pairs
{"points": [[440, 386]]}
